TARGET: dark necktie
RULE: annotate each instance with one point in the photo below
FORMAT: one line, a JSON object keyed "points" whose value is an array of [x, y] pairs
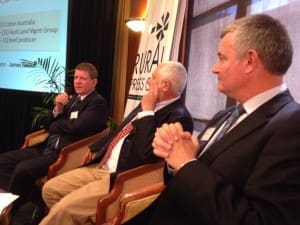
{"points": [[126, 130], [235, 113], [75, 104], [51, 143]]}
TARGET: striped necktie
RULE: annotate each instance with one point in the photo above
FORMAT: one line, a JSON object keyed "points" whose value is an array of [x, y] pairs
{"points": [[126, 130], [235, 114]]}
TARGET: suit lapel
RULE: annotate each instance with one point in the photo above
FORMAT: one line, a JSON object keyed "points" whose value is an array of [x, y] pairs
{"points": [[252, 122], [84, 102], [212, 127], [130, 116]]}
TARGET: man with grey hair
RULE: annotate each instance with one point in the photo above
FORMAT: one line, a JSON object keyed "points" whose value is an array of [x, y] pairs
{"points": [[249, 172], [72, 197]]}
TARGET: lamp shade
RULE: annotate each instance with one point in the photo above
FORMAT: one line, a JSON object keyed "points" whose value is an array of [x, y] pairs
{"points": [[136, 24]]}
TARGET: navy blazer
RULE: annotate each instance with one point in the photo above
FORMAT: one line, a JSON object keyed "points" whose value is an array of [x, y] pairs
{"points": [[249, 177], [91, 118], [137, 146]]}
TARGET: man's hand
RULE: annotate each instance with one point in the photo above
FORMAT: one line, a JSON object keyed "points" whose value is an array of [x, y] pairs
{"points": [[60, 101], [175, 145], [150, 99], [87, 157]]}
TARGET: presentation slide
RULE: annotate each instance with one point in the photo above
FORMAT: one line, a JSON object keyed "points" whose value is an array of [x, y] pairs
{"points": [[32, 32]]}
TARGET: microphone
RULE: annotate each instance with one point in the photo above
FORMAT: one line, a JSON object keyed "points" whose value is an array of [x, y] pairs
{"points": [[69, 90]]}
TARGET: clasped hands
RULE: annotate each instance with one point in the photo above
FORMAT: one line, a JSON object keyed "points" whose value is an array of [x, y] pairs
{"points": [[175, 145]]}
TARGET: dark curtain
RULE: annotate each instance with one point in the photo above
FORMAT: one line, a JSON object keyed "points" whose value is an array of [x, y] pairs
{"points": [[15, 117], [91, 38]]}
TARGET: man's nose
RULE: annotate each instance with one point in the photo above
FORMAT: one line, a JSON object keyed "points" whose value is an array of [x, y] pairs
{"points": [[214, 69]]}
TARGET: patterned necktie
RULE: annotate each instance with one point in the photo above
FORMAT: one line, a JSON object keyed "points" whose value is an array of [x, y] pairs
{"points": [[126, 130], [237, 111]]}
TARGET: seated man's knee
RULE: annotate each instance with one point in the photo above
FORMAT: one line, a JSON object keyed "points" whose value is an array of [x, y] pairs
{"points": [[50, 194]]}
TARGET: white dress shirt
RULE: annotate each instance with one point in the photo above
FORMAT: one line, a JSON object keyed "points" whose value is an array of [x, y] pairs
{"points": [[250, 106], [112, 162]]}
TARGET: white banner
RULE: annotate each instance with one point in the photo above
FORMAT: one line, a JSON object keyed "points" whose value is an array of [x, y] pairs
{"points": [[159, 43]]}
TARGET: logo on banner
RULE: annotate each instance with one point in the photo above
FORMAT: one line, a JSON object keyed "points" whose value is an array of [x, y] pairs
{"points": [[146, 60], [161, 28]]}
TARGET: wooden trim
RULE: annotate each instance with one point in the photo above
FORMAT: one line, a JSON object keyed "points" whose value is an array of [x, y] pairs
{"points": [[183, 40], [116, 190], [63, 155], [149, 191], [35, 138]]}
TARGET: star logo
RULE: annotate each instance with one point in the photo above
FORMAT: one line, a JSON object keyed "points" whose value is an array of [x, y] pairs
{"points": [[160, 28]]}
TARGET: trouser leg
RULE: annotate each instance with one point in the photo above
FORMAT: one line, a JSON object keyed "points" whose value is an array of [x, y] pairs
{"points": [[8, 162], [59, 186], [76, 206], [24, 166], [27, 171]]}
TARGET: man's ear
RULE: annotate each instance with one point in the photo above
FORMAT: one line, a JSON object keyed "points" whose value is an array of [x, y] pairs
{"points": [[166, 85], [95, 82], [251, 58]]}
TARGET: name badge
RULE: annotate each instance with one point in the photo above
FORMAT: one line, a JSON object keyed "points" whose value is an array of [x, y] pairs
{"points": [[208, 133], [74, 115]]}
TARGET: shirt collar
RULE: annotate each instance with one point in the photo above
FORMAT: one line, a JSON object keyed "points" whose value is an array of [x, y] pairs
{"points": [[162, 104], [84, 96], [258, 100]]}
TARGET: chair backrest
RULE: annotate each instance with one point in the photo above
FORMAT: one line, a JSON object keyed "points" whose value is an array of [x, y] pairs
{"points": [[110, 205], [35, 138], [71, 155]]}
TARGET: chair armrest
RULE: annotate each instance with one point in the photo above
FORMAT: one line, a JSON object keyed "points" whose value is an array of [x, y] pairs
{"points": [[35, 138], [70, 156], [127, 182], [133, 203]]}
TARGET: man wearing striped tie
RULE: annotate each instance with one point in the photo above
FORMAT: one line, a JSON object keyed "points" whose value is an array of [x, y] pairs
{"points": [[249, 175]]}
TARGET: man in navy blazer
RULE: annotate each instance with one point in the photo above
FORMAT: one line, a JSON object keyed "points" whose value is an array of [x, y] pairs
{"points": [[251, 175], [72, 118], [72, 197]]}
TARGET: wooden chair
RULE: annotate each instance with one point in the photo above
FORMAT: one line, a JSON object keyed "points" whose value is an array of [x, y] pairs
{"points": [[69, 157], [35, 138], [132, 191]]}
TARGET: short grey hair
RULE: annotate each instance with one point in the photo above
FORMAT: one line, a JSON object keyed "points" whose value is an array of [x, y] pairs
{"points": [[267, 36], [174, 72]]}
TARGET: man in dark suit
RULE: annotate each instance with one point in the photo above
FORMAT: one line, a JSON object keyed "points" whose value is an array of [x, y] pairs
{"points": [[73, 118], [72, 197], [251, 174]]}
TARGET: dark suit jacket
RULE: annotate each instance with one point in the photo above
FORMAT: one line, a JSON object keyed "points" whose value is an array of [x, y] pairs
{"points": [[250, 177], [91, 118], [137, 146]]}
